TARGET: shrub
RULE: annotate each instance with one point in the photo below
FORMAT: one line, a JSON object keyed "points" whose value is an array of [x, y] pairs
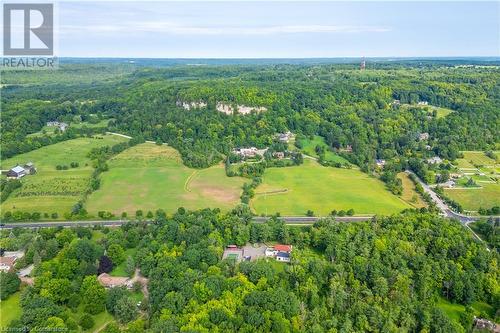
{"points": [[86, 322]]}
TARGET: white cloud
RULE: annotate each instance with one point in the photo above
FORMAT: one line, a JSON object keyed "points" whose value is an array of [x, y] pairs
{"points": [[169, 28]]}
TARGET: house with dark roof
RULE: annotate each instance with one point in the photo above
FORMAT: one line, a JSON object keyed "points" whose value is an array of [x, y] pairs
{"points": [[16, 172]]}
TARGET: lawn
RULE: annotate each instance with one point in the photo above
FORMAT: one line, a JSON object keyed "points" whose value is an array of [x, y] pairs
{"points": [[453, 310], [50, 130], [309, 146], [294, 190], [120, 270], [10, 309], [409, 194], [100, 319], [472, 199], [51, 190], [150, 177]]}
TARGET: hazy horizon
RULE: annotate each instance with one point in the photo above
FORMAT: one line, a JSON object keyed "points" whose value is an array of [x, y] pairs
{"points": [[278, 30]]}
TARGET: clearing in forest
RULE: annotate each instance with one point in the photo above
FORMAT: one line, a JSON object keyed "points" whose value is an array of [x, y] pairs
{"points": [[51, 190], [294, 190], [149, 177]]}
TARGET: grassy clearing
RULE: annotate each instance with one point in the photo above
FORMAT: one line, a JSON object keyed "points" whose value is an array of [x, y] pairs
{"points": [[309, 148], [100, 320], [409, 194], [10, 309], [453, 310], [440, 111], [472, 158], [472, 199], [102, 123], [150, 177], [120, 270], [322, 189], [51, 190]]}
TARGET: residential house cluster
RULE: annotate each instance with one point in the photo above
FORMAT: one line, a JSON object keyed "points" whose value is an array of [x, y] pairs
{"points": [[284, 137], [380, 163], [108, 281], [20, 171], [280, 252], [61, 125], [434, 160], [8, 260], [249, 152], [486, 325]]}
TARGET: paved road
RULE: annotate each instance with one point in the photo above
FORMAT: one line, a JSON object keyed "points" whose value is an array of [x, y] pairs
{"points": [[305, 220]]}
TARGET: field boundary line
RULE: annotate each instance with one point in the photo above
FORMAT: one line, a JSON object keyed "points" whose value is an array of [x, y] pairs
{"points": [[188, 180]]}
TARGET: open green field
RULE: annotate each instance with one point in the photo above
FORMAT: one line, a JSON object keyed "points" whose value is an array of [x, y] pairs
{"points": [[150, 177], [479, 158], [294, 190], [309, 146], [51, 190], [440, 111], [409, 193], [475, 198], [10, 309], [453, 310]]}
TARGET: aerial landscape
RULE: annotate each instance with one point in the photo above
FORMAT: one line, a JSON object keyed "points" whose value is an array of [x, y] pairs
{"points": [[299, 173]]}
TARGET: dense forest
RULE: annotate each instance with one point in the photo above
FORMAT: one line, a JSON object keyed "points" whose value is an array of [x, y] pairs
{"points": [[387, 275], [346, 106]]}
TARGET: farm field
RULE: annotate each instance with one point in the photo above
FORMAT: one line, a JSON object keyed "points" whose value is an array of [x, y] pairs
{"points": [[409, 194], [309, 146], [472, 158], [474, 198], [50, 190], [484, 171], [294, 190], [10, 309], [150, 177]]}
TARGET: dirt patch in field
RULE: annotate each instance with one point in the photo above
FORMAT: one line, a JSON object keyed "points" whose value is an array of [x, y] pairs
{"points": [[220, 194]]}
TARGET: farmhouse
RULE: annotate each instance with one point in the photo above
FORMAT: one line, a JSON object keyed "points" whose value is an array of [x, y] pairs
{"points": [[285, 137], [7, 264], [434, 160], [108, 281], [423, 103], [279, 155], [249, 152], [347, 149], [16, 172], [380, 163], [62, 126], [485, 324], [21, 171], [423, 136], [280, 252]]}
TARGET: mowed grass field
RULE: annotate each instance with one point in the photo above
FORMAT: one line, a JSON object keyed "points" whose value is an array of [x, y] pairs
{"points": [[294, 190], [409, 193], [150, 177], [50, 190], [10, 309], [474, 198], [309, 148], [489, 194]]}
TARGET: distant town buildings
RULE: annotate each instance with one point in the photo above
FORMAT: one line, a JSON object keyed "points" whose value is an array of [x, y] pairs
{"points": [[62, 126], [362, 66], [18, 171]]}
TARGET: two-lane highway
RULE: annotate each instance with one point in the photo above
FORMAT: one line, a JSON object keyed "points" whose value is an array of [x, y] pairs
{"points": [[292, 220]]}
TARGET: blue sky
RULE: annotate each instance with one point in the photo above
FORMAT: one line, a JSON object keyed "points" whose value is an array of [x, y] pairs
{"points": [[278, 29]]}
